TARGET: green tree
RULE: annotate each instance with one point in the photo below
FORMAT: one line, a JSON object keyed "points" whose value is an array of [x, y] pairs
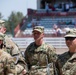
{"points": [[13, 20], [1, 15]]}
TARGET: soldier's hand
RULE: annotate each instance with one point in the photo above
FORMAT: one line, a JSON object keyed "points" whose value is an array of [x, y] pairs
{"points": [[24, 72]]}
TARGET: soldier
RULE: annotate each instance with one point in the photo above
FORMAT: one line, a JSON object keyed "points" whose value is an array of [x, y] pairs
{"points": [[7, 64], [68, 59], [40, 57], [13, 50]]}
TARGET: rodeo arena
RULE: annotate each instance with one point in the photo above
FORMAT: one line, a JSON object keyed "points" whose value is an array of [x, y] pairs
{"points": [[54, 15]]}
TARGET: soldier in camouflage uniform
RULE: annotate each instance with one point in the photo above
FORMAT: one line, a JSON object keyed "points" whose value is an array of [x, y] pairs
{"points": [[13, 50], [40, 56], [68, 59], [7, 64]]}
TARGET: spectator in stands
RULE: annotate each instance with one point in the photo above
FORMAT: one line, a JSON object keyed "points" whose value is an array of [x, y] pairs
{"points": [[57, 30], [67, 7], [47, 7], [51, 7], [33, 22], [61, 22], [29, 25], [71, 5], [63, 6], [68, 59]]}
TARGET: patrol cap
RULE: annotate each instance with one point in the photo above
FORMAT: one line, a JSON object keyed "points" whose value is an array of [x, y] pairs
{"points": [[71, 33], [39, 29], [2, 23]]}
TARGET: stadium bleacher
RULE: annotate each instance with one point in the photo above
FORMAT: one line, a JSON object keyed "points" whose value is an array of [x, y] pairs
{"points": [[64, 19], [48, 23]]}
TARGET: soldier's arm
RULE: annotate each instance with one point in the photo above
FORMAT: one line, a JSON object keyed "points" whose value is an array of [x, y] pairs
{"points": [[52, 53], [15, 52], [19, 60], [54, 58], [9, 66], [27, 55], [20, 64]]}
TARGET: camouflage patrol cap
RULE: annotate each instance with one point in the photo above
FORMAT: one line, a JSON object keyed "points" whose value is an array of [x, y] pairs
{"points": [[71, 33], [39, 29], [2, 23]]}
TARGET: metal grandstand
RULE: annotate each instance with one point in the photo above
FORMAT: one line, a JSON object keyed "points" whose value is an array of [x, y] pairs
{"points": [[58, 16]]}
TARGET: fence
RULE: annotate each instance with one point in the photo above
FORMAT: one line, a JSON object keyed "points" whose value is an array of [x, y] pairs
{"points": [[56, 42]]}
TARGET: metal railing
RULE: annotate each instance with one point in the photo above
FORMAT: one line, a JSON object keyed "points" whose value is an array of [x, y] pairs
{"points": [[56, 42]]}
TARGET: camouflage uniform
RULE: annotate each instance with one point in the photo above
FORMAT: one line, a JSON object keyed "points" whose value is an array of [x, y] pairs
{"points": [[68, 62], [14, 51], [41, 59], [7, 65], [38, 58], [68, 59]]}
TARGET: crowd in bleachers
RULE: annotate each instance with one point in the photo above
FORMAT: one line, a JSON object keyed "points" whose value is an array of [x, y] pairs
{"points": [[49, 21], [64, 6], [59, 14], [52, 25]]}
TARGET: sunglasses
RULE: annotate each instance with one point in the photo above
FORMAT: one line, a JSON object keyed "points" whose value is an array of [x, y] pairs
{"points": [[69, 38]]}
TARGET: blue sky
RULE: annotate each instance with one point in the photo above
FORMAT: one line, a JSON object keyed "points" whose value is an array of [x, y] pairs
{"points": [[7, 6]]}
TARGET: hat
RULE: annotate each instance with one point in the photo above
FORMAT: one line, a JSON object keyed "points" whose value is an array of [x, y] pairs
{"points": [[39, 29], [71, 33], [2, 23]]}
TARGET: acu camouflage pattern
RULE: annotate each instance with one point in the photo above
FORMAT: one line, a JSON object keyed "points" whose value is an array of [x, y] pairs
{"points": [[7, 65], [68, 62], [35, 57]]}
